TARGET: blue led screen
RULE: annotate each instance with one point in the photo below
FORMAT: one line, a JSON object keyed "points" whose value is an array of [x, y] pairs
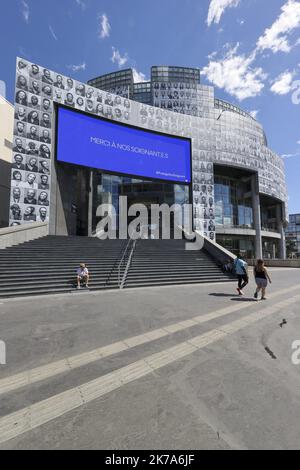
{"points": [[88, 141]]}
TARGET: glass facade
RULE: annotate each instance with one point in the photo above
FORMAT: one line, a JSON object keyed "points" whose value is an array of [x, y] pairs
{"points": [[119, 83], [175, 74], [108, 188], [236, 244], [232, 208], [142, 92], [293, 236]]}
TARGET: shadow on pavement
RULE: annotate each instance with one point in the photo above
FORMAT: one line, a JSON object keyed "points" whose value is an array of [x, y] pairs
{"points": [[219, 294], [244, 299]]}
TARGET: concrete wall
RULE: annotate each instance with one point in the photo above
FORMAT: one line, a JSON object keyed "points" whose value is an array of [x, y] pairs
{"points": [[11, 236], [279, 263], [6, 138]]}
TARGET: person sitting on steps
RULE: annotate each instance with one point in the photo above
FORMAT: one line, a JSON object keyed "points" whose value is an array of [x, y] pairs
{"points": [[83, 276]]}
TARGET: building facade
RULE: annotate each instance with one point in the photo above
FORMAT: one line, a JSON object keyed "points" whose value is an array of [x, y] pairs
{"points": [[293, 236], [6, 138], [238, 188]]}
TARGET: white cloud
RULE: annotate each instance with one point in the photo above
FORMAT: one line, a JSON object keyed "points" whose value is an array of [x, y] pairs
{"points": [[104, 26], [290, 155], [25, 11], [283, 84], [217, 8], [276, 38], [298, 142], [235, 74], [138, 77], [81, 4], [53, 33], [77, 68], [117, 58], [254, 113]]}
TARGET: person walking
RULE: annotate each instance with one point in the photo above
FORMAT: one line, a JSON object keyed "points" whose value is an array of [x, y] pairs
{"points": [[262, 277], [241, 271]]}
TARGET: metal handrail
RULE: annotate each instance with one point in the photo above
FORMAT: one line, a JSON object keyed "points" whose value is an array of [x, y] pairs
{"points": [[124, 260], [128, 264]]}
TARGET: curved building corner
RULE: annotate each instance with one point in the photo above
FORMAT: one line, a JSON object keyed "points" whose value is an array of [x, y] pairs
{"points": [[237, 186]]}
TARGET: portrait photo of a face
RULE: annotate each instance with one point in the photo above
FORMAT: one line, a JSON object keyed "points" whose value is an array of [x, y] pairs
{"points": [[43, 214], [33, 118], [58, 96], [32, 132], [118, 113], [15, 212], [70, 84], [35, 87], [80, 89], [16, 195], [19, 145], [45, 136], [43, 199], [69, 100], [17, 178], [34, 101], [47, 77], [117, 101], [44, 167], [46, 120], [32, 164], [90, 93], [44, 151], [21, 97], [89, 106], [44, 182], [30, 180], [29, 214], [59, 82], [109, 100], [80, 104], [18, 162], [30, 197], [32, 148], [46, 105], [34, 72], [20, 129], [99, 109], [47, 91], [21, 113], [22, 82], [22, 66]]}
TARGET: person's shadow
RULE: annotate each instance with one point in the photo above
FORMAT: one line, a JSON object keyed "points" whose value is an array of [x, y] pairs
{"points": [[237, 298], [220, 294], [243, 299]]}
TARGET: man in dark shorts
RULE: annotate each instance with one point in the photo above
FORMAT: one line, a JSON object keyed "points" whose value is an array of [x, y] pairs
{"points": [[242, 274]]}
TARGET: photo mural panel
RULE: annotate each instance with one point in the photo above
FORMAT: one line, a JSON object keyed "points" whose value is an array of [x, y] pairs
{"points": [[37, 88]]}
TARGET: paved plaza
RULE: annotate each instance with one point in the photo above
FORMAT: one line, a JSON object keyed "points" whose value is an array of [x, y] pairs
{"points": [[181, 367]]}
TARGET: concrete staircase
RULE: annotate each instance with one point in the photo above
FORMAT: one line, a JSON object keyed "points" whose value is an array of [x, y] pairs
{"points": [[48, 265], [167, 262]]}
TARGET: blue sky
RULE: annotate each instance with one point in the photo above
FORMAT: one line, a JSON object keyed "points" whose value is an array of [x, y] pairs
{"points": [[248, 49]]}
